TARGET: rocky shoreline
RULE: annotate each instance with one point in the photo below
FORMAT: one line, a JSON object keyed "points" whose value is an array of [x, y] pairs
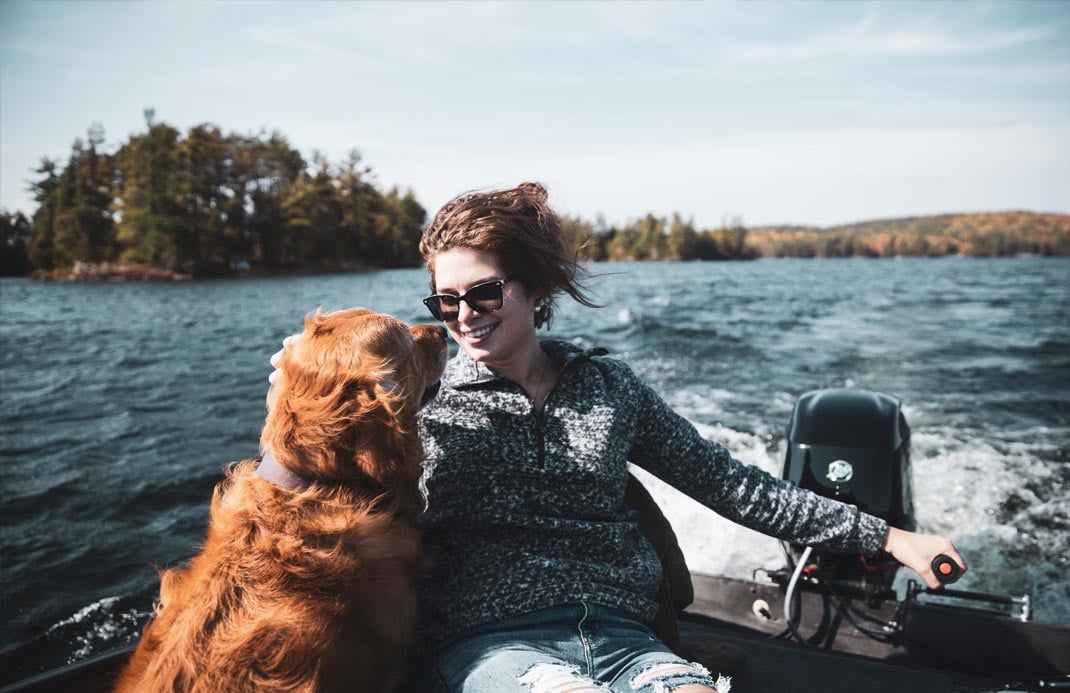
{"points": [[136, 271], [111, 271]]}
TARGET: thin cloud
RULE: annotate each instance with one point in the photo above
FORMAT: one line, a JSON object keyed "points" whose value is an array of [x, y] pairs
{"points": [[867, 40], [314, 48]]}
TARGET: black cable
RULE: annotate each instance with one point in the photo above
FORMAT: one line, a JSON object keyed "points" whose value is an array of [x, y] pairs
{"points": [[823, 626], [868, 617], [880, 636], [846, 602], [834, 629], [790, 604]]}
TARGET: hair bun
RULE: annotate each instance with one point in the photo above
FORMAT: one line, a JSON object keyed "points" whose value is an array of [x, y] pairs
{"points": [[535, 192]]}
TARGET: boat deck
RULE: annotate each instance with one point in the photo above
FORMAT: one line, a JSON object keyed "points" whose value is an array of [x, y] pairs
{"points": [[947, 649], [777, 666], [722, 611]]}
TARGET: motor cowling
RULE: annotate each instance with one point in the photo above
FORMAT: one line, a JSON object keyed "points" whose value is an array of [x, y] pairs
{"points": [[853, 445]]}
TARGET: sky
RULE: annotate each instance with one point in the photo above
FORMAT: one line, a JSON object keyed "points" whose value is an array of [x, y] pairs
{"points": [[775, 113]]}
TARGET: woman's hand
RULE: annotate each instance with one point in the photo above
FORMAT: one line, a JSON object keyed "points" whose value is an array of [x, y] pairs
{"points": [[276, 359], [917, 551]]}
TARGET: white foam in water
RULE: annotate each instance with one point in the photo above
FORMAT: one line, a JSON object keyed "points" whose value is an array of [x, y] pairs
{"points": [[960, 486], [84, 613], [700, 403], [97, 625]]}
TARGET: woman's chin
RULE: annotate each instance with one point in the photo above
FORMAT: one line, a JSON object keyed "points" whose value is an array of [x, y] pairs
{"points": [[478, 352]]}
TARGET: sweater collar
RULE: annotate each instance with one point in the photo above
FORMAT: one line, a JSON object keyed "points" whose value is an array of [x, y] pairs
{"points": [[464, 371]]}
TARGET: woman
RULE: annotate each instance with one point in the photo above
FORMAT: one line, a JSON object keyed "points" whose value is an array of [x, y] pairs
{"points": [[540, 579]]}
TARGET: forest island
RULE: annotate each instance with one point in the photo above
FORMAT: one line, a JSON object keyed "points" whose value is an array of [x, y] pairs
{"points": [[170, 205]]}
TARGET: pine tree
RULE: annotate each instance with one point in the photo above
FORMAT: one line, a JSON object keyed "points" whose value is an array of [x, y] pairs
{"points": [[146, 202], [83, 223], [15, 232], [45, 194]]}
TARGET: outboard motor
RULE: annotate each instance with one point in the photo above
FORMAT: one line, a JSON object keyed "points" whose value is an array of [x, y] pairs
{"points": [[854, 445]]}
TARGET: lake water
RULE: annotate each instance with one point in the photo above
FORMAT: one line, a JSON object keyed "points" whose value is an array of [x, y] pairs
{"points": [[121, 403]]}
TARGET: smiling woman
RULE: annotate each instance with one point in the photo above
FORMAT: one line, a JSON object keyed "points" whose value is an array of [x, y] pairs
{"points": [[496, 261], [541, 577]]}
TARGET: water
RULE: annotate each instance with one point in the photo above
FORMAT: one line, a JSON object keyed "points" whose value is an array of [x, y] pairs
{"points": [[121, 403]]}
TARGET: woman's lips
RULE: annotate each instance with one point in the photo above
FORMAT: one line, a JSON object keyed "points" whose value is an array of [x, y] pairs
{"points": [[479, 334]]}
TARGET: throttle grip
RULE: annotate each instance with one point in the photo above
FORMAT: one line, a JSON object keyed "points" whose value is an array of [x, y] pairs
{"points": [[945, 569]]}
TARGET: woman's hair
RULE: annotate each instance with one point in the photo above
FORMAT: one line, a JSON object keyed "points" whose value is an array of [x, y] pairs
{"points": [[532, 243]]}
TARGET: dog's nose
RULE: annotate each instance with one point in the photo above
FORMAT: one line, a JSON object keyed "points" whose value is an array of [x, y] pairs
{"points": [[442, 331]]}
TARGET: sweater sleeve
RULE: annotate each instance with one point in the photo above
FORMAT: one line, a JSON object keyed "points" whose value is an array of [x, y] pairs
{"points": [[668, 446]]}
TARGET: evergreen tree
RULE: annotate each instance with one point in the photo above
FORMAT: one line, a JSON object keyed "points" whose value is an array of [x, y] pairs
{"points": [[364, 226], [313, 216], [15, 232], [263, 170], [83, 223], [46, 195], [651, 242], [407, 222], [146, 204], [683, 239], [203, 242]]}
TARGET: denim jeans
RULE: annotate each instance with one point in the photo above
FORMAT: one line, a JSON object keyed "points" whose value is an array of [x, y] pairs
{"points": [[578, 647]]}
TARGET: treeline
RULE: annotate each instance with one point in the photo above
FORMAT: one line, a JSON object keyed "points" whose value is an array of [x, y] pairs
{"points": [[204, 203], [208, 203], [662, 238], [981, 234]]}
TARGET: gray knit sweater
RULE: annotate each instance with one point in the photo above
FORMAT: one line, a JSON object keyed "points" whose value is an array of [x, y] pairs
{"points": [[525, 509]]}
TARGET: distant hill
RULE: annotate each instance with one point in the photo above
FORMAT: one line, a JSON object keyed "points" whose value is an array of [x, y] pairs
{"points": [[994, 234]]}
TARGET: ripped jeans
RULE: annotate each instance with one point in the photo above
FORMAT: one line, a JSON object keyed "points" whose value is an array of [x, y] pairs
{"points": [[579, 648]]}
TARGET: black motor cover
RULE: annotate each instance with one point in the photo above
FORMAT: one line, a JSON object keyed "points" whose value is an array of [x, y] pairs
{"points": [[853, 445]]}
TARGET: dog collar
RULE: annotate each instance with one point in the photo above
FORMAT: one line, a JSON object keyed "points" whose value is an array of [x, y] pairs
{"points": [[271, 470]]}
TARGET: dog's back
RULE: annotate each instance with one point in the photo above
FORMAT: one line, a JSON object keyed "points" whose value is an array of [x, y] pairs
{"points": [[289, 593], [309, 589]]}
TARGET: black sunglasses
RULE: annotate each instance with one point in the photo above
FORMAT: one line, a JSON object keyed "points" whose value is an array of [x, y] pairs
{"points": [[483, 298]]}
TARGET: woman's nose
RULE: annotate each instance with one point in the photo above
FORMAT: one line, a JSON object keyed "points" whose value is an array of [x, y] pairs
{"points": [[465, 312]]}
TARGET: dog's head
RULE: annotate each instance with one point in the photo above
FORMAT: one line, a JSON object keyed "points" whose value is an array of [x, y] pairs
{"points": [[343, 405]]}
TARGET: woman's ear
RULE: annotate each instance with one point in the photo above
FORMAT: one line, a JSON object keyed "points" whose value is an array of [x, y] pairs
{"points": [[542, 311]]}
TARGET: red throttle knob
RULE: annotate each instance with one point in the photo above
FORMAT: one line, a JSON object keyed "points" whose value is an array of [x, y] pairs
{"points": [[945, 569]]}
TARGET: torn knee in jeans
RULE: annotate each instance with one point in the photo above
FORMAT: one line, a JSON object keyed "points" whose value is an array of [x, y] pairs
{"points": [[559, 678], [677, 677]]}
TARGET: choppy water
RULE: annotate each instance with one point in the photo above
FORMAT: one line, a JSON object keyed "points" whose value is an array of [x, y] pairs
{"points": [[120, 404]]}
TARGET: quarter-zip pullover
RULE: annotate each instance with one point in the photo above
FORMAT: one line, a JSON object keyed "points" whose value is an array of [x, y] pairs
{"points": [[525, 509]]}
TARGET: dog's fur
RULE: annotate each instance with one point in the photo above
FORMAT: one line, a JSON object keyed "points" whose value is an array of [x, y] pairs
{"points": [[309, 590]]}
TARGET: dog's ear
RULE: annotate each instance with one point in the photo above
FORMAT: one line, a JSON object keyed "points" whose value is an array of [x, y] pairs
{"points": [[376, 409], [372, 401]]}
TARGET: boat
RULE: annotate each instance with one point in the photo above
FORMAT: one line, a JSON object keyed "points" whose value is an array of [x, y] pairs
{"points": [[827, 623]]}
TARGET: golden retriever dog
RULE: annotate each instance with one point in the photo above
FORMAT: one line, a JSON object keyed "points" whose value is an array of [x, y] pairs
{"points": [[306, 581]]}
